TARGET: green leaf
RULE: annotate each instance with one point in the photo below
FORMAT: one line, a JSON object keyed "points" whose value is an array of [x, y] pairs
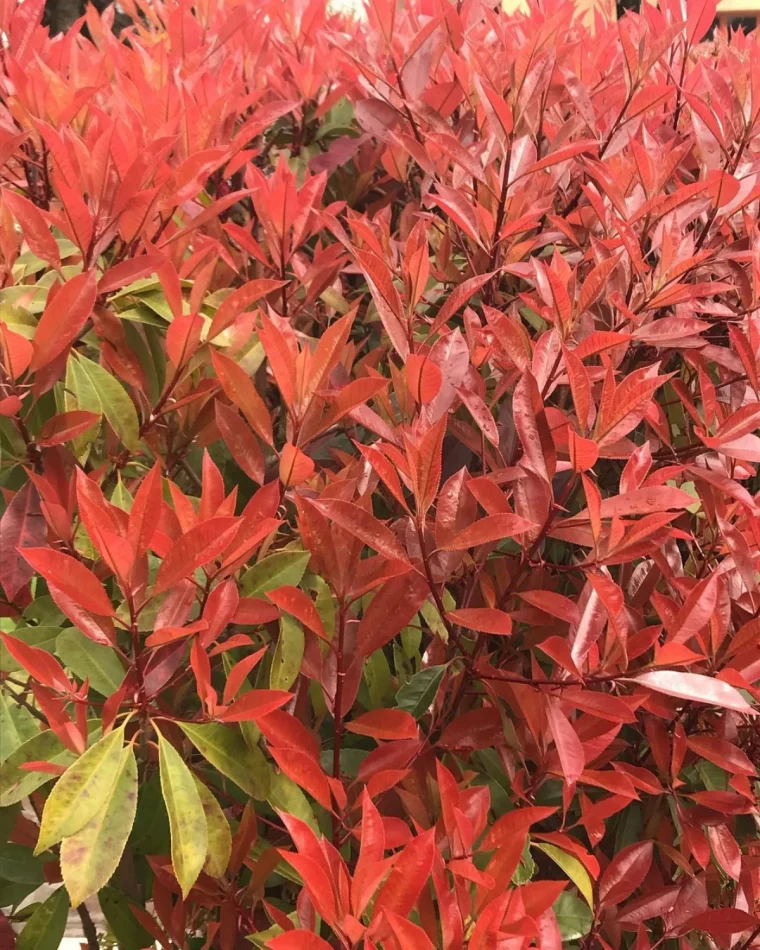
{"points": [[115, 403], [416, 696], [229, 753], [187, 820], [45, 928], [16, 784], [573, 917], [572, 867], [88, 660], [80, 393], [219, 834], [288, 654], [286, 796], [18, 864], [90, 857], [284, 567], [16, 725], [125, 927], [81, 790], [377, 675]]}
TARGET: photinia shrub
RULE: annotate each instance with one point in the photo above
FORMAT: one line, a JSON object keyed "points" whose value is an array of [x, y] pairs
{"points": [[379, 420]]}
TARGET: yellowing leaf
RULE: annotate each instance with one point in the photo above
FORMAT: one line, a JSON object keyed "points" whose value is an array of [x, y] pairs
{"points": [[81, 791], [572, 867], [90, 857], [187, 820], [219, 834]]}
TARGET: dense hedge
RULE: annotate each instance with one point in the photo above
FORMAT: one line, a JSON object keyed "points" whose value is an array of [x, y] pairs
{"points": [[378, 415]]}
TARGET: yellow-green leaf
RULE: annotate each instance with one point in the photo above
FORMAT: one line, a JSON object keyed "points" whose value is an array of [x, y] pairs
{"points": [[284, 567], [90, 857], [81, 791], [572, 867], [187, 820], [115, 403], [228, 752], [288, 654], [219, 834], [286, 796]]}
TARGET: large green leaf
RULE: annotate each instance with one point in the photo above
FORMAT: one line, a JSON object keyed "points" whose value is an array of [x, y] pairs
{"points": [[288, 654], [187, 819], [81, 790], [115, 403], [45, 928], [90, 857], [88, 660], [18, 864], [228, 752], [277, 570]]}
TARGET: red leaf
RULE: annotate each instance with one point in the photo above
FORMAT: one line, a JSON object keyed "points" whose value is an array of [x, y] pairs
{"points": [[407, 878], [484, 619], [295, 466], [241, 392], [384, 724], [722, 921], [364, 526], [299, 605], [241, 442], [40, 664], [201, 544], [298, 940], [36, 232], [423, 378], [625, 873], [487, 530], [66, 426], [72, 577], [255, 705], [390, 610], [696, 688], [21, 526], [64, 316], [569, 748]]}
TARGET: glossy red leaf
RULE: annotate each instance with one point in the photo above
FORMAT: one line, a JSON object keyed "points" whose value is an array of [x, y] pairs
{"points": [[72, 577]]}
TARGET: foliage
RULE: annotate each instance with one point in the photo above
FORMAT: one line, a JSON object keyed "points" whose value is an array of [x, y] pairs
{"points": [[379, 424]]}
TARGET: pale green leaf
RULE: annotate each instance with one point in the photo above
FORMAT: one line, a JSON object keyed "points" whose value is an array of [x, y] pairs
{"points": [[115, 403], [16, 725], [228, 752], [574, 918], [88, 660], [288, 654], [81, 790], [572, 867], [90, 857], [219, 834], [277, 570], [187, 819]]}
